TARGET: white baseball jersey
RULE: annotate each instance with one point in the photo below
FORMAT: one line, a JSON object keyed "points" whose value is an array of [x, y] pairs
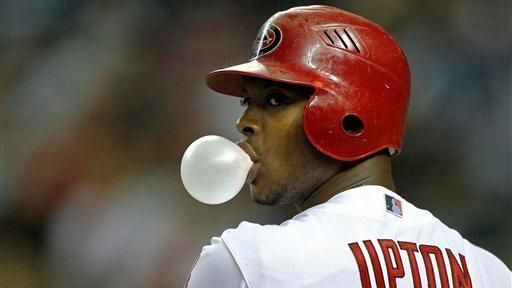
{"points": [[363, 237]]}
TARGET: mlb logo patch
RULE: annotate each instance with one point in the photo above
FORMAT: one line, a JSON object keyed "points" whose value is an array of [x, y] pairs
{"points": [[393, 205]]}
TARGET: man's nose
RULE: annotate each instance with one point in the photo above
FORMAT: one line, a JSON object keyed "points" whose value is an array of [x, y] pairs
{"points": [[248, 124]]}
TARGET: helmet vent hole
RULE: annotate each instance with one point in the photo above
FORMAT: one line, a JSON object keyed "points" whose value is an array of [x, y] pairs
{"points": [[352, 125]]}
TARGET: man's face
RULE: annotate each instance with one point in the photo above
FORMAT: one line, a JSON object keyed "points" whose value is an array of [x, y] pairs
{"points": [[288, 167]]}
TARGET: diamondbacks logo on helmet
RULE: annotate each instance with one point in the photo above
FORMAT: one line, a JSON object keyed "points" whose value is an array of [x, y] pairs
{"points": [[269, 37]]}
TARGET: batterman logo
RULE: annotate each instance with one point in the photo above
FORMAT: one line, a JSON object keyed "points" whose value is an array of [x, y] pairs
{"points": [[269, 38]]}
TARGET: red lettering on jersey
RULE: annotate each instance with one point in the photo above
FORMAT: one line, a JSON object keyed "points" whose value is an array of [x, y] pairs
{"points": [[393, 271], [410, 248], [426, 251], [460, 276], [361, 264], [377, 270]]}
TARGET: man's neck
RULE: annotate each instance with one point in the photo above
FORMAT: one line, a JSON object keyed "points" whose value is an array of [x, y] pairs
{"points": [[372, 171]]}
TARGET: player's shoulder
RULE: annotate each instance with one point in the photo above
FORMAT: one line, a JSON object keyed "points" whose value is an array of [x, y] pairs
{"points": [[268, 255], [261, 249], [216, 267], [493, 271]]}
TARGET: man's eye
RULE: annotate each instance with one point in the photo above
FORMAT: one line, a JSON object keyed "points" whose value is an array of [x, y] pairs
{"points": [[277, 100], [244, 101]]}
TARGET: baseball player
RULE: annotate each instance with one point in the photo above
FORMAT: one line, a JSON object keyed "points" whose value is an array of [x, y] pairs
{"points": [[326, 94]]}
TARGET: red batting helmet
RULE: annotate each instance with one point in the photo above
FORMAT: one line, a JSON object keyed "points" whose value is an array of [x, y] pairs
{"points": [[360, 76]]}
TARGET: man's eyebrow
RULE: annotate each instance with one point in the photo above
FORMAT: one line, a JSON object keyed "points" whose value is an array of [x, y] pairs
{"points": [[267, 86], [274, 88], [272, 84]]}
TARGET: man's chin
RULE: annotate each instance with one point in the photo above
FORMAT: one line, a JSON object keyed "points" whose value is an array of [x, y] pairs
{"points": [[269, 197]]}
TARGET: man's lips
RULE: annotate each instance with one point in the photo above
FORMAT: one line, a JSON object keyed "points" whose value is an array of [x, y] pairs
{"points": [[249, 150], [253, 172]]}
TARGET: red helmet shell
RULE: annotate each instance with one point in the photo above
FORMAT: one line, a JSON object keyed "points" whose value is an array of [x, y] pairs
{"points": [[360, 76]]}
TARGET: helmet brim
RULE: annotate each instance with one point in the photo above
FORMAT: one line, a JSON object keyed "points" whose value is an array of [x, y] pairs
{"points": [[230, 80]]}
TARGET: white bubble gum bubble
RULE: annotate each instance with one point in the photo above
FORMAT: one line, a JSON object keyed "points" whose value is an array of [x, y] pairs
{"points": [[214, 169]]}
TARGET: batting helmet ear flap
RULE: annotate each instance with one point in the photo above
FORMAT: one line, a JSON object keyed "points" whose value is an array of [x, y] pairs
{"points": [[335, 126], [350, 122]]}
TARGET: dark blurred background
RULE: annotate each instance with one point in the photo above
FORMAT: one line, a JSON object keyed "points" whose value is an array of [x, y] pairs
{"points": [[101, 98]]}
